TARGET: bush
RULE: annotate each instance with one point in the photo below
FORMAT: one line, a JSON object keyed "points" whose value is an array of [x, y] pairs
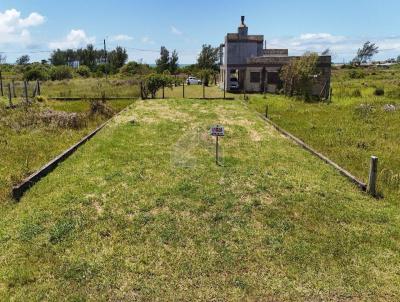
{"points": [[100, 107], [134, 68], [356, 74], [155, 82], [40, 99], [83, 71], [36, 72], [58, 73], [379, 92], [63, 119]]}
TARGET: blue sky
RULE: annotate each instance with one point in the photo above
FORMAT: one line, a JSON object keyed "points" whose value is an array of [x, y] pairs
{"points": [[35, 27]]}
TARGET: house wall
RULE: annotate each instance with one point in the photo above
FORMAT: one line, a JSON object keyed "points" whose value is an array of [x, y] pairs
{"points": [[253, 87], [239, 52], [321, 85]]}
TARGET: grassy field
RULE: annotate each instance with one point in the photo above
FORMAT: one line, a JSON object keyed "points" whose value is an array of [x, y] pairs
{"points": [[350, 129], [195, 91], [84, 88], [92, 88], [26, 146], [142, 212]]}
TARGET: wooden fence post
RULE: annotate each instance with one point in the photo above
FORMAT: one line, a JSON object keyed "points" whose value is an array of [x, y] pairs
{"points": [[1, 84], [38, 88], [13, 89], [204, 91], [163, 92], [26, 90], [373, 173], [34, 91], [9, 95], [266, 111], [183, 89]]}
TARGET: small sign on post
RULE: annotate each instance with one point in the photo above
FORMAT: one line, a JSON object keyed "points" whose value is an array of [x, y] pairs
{"points": [[217, 131]]}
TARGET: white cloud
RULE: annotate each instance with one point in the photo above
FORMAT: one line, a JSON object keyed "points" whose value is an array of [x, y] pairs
{"points": [[121, 37], [147, 40], [321, 37], [75, 39], [342, 47], [14, 29], [176, 31]]}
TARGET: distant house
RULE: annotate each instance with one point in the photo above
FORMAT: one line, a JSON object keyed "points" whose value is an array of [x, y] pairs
{"points": [[74, 64], [245, 60]]}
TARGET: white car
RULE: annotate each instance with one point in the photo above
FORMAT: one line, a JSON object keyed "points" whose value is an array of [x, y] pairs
{"points": [[234, 84], [193, 81]]}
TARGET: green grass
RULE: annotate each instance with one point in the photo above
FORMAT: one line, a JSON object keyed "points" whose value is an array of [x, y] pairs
{"points": [[195, 91], [24, 149], [84, 88], [142, 212], [350, 129]]}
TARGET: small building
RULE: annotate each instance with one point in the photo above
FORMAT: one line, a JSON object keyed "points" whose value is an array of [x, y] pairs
{"points": [[246, 62]]}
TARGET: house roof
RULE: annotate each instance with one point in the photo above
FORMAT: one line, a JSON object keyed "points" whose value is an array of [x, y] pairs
{"points": [[237, 37]]}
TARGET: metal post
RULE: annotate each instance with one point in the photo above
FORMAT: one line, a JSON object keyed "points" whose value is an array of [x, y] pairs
{"points": [[224, 89], [216, 151], [373, 173]]}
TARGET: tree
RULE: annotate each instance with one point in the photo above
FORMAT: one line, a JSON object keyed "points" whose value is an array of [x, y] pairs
{"points": [[299, 74], [173, 62], [208, 58], [89, 56], [83, 71], [35, 72], [155, 82], [23, 60], [117, 58], [366, 53], [163, 62], [3, 58], [58, 57], [58, 73], [326, 52], [134, 68]]}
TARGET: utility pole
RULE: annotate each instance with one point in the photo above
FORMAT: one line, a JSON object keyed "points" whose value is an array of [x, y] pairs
{"points": [[105, 57]]}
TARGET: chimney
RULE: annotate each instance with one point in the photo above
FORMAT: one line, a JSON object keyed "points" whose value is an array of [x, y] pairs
{"points": [[243, 29]]}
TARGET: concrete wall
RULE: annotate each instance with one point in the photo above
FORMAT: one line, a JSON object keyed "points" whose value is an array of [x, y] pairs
{"points": [[239, 52], [253, 87]]}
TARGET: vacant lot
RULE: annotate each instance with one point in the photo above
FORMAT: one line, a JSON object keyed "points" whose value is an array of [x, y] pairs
{"points": [[27, 143], [142, 212], [351, 128]]}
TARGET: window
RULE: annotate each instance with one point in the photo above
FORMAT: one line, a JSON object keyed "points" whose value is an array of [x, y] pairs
{"points": [[255, 77], [273, 78]]}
